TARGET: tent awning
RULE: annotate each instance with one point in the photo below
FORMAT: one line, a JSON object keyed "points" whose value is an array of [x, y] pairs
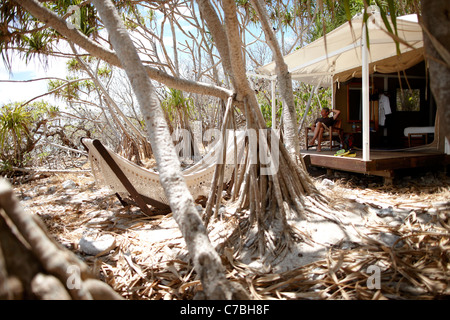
{"points": [[337, 56]]}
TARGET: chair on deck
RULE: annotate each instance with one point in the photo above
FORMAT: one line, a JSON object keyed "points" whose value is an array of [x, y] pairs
{"points": [[331, 134]]}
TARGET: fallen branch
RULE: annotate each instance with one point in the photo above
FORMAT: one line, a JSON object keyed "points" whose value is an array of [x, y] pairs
{"points": [[67, 148], [37, 170]]}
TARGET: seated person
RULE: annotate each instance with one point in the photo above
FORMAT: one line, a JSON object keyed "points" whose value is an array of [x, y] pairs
{"points": [[321, 124]]}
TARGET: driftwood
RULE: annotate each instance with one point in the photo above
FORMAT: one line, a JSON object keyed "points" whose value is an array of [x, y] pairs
{"points": [[43, 170], [33, 265], [30, 174]]}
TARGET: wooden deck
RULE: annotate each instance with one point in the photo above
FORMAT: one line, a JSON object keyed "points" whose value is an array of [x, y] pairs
{"points": [[382, 163]]}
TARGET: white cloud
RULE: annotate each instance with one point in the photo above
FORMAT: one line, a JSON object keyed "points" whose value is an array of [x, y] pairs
{"points": [[23, 91]]}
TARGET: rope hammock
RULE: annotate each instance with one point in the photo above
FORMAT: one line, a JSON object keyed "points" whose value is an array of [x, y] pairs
{"points": [[130, 181]]}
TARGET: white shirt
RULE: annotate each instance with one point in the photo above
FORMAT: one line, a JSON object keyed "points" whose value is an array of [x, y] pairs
{"points": [[384, 108]]}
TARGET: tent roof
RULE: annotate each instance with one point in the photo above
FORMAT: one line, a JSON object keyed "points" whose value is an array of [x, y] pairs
{"points": [[337, 56]]}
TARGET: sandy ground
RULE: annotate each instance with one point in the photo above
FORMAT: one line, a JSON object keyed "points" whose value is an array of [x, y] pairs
{"points": [[147, 258]]}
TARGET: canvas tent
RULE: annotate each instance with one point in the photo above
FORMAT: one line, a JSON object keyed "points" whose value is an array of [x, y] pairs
{"points": [[338, 57], [343, 54]]}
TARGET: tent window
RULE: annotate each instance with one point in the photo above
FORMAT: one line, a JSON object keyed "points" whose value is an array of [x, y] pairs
{"points": [[408, 100]]}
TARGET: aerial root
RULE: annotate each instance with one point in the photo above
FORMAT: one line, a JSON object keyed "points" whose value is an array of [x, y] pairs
{"points": [[270, 199]]}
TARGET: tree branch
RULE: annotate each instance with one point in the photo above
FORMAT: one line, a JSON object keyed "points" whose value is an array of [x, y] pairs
{"points": [[53, 20], [284, 80]]}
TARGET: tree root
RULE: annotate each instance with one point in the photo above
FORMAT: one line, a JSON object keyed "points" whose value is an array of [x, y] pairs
{"points": [[35, 266], [270, 200]]}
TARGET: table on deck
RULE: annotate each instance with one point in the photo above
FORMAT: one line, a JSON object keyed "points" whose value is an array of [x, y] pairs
{"points": [[418, 131]]}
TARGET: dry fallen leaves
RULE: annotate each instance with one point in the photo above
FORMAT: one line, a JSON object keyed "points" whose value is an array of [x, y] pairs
{"points": [[150, 260]]}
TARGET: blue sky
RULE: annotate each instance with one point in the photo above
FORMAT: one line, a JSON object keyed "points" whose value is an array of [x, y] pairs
{"points": [[23, 91]]}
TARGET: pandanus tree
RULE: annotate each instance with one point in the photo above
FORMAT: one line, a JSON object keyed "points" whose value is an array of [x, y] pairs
{"points": [[21, 128], [15, 123], [269, 197]]}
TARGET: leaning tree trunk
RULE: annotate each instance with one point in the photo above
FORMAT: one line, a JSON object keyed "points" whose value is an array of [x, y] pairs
{"points": [[436, 25], [206, 261], [34, 266]]}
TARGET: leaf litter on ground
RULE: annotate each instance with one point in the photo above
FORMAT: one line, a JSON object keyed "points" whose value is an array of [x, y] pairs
{"points": [[403, 231]]}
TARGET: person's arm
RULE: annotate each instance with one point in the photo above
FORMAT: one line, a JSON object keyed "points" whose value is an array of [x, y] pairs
{"points": [[335, 113]]}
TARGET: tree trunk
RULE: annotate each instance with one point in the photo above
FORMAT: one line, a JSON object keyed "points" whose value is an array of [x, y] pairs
{"points": [[270, 195], [207, 262], [34, 266], [284, 81], [436, 23]]}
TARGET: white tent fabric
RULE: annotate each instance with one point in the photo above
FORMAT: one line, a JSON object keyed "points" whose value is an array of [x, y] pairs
{"points": [[337, 56]]}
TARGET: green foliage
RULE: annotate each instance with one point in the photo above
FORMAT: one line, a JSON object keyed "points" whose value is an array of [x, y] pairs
{"points": [[15, 121], [42, 109], [178, 109], [284, 15], [71, 89], [18, 124], [84, 18], [104, 71], [383, 14], [74, 66], [408, 100], [13, 18], [266, 110], [334, 14], [151, 15], [63, 89], [20, 30], [36, 43], [301, 97], [320, 100]]}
